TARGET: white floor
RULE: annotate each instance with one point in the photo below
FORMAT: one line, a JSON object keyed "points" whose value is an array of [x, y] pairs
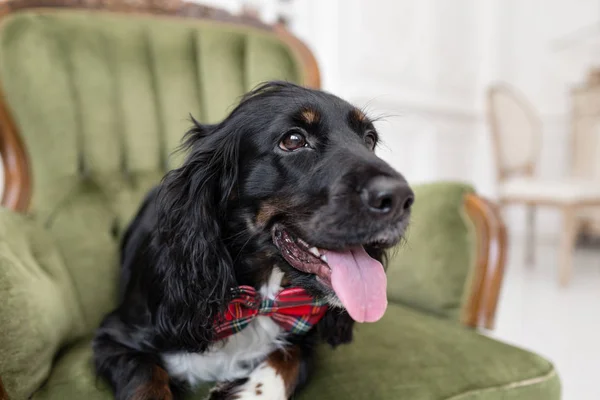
{"points": [[562, 324]]}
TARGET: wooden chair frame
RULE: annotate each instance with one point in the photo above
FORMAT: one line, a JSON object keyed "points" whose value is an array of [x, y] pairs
{"points": [[490, 262], [485, 289]]}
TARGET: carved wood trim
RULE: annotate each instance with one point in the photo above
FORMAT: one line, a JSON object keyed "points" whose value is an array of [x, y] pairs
{"points": [[312, 77], [490, 261], [17, 182], [17, 175], [157, 7]]}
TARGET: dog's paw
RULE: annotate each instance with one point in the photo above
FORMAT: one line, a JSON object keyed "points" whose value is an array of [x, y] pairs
{"points": [[264, 383]]}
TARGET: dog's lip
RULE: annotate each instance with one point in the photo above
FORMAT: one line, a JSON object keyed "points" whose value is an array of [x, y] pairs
{"points": [[313, 251], [382, 240], [372, 239], [300, 255]]}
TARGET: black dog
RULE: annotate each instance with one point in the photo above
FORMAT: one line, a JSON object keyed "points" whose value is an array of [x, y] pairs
{"points": [[290, 168]]}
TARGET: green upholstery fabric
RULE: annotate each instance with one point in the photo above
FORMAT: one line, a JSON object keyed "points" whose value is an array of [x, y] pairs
{"points": [[39, 309], [431, 271], [411, 355], [407, 355], [58, 279]]}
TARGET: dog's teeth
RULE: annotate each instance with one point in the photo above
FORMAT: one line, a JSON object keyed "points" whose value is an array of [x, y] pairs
{"points": [[323, 258], [315, 251]]}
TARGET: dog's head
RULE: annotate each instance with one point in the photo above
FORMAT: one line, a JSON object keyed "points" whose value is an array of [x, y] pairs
{"points": [[290, 179]]}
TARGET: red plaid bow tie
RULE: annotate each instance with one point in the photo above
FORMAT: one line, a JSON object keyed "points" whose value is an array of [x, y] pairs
{"points": [[292, 308]]}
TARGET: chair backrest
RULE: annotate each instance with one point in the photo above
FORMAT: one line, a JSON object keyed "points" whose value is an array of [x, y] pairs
{"points": [[516, 131], [94, 87]]}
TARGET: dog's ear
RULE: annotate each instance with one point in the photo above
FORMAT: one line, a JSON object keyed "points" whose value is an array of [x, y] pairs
{"points": [[196, 272]]}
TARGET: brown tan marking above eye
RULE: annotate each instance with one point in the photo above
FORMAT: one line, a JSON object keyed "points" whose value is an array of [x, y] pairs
{"points": [[359, 115], [310, 116]]}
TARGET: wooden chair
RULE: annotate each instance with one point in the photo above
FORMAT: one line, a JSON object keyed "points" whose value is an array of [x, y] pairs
{"points": [[517, 137]]}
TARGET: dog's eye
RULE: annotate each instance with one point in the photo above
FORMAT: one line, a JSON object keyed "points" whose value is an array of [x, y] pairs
{"points": [[293, 141], [370, 140]]}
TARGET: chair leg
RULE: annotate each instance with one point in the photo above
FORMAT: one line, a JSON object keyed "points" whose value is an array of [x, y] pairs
{"points": [[530, 240], [567, 244]]}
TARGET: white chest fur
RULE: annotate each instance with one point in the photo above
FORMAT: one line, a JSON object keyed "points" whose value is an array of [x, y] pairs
{"points": [[238, 355]]}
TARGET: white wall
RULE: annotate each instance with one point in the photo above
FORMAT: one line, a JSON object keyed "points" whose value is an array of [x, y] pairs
{"points": [[419, 64]]}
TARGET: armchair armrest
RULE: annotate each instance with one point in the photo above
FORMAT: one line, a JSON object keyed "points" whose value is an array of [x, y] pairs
{"points": [[39, 311], [452, 262], [490, 262]]}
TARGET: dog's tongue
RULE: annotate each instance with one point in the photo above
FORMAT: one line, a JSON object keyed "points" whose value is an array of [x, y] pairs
{"points": [[359, 282]]}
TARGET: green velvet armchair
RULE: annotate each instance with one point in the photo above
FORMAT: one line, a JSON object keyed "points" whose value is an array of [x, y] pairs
{"points": [[95, 94]]}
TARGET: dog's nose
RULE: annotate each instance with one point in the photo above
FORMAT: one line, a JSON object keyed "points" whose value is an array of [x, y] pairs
{"points": [[386, 195]]}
